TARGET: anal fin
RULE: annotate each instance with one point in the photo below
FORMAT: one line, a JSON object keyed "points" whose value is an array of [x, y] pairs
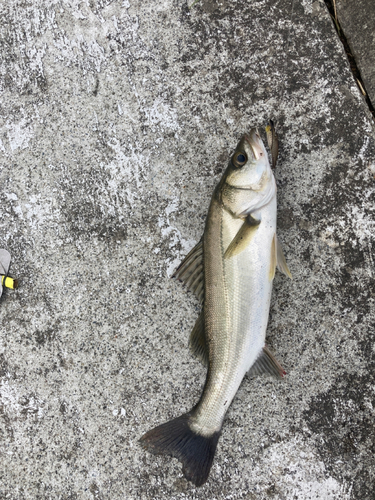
{"points": [[266, 363]]}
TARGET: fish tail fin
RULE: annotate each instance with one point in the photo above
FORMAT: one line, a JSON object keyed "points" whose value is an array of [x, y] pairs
{"points": [[177, 439]]}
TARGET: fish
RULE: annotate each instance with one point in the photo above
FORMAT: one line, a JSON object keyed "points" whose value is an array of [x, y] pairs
{"points": [[273, 142], [231, 271], [6, 280]]}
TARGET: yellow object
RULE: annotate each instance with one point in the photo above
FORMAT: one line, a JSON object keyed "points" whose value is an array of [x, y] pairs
{"points": [[9, 282]]}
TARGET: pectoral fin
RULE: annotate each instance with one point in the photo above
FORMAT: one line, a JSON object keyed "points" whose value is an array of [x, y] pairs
{"points": [[197, 341], [266, 363], [243, 237], [191, 271]]}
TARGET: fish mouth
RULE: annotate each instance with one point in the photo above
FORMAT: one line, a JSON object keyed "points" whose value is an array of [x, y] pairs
{"points": [[255, 142]]}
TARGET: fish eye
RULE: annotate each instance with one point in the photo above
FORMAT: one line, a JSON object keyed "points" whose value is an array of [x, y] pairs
{"points": [[239, 159]]}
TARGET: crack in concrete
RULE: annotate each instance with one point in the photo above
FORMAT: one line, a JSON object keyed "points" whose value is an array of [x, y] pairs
{"points": [[331, 6]]}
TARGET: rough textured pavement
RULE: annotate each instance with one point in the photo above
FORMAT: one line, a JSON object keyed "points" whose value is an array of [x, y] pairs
{"points": [[117, 120], [358, 23]]}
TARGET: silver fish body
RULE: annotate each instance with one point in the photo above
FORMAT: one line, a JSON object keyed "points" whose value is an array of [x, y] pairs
{"points": [[236, 264], [236, 308]]}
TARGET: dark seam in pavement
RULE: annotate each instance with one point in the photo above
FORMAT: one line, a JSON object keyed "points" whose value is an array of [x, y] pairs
{"points": [[353, 65]]}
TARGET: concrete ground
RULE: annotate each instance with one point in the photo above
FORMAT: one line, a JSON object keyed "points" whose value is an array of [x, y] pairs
{"points": [[357, 22], [117, 120]]}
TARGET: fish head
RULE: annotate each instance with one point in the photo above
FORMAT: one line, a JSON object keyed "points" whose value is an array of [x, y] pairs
{"points": [[249, 167]]}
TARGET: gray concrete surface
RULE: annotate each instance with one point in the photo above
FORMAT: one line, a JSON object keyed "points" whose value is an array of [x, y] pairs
{"points": [[117, 119], [357, 20]]}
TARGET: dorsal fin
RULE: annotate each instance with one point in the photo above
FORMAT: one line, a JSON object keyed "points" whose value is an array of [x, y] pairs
{"points": [[191, 271]]}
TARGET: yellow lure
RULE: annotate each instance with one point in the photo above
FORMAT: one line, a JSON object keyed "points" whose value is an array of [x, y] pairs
{"points": [[9, 282]]}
